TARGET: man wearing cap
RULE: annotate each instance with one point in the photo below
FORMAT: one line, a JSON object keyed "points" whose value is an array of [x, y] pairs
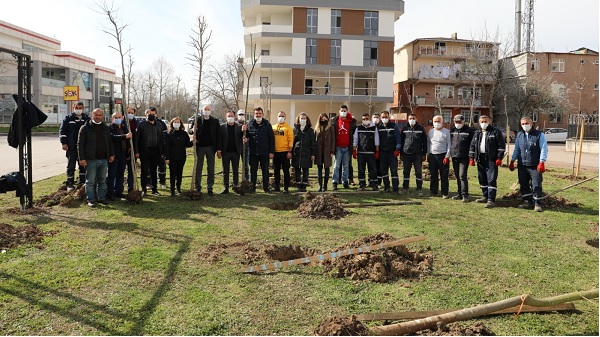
{"points": [[460, 140], [208, 142]]}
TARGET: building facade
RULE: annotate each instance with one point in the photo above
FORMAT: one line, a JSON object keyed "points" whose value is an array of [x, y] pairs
{"points": [[52, 70], [313, 56], [445, 76]]}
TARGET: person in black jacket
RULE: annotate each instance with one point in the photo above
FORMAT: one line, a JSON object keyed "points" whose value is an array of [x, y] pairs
{"points": [[208, 142], [366, 149], [261, 145], [413, 152], [176, 140], [149, 147], [389, 150], [96, 151], [487, 149], [131, 124], [116, 170], [304, 150], [231, 135], [461, 136], [69, 130]]}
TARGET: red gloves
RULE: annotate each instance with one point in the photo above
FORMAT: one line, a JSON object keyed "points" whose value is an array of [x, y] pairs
{"points": [[498, 162], [472, 162], [396, 153], [376, 154], [511, 166], [354, 154], [446, 161], [541, 168]]}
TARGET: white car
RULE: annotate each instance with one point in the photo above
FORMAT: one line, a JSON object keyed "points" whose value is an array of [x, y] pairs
{"points": [[556, 135]]}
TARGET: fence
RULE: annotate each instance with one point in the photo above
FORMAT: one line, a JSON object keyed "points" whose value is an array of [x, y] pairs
{"points": [[590, 129]]}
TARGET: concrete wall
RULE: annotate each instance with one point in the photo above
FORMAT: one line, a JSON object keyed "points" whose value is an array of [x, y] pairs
{"points": [[588, 146]]}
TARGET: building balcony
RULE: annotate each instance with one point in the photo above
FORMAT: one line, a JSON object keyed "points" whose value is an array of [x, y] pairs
{"points": [[454, 52], [258, 29], [438, 75], [447, 102]]}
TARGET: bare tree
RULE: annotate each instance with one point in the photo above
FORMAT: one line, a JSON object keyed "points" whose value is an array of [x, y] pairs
{"points": [[129, 74], [200, 42], [249, 69], [163, 71], [225, 82]]}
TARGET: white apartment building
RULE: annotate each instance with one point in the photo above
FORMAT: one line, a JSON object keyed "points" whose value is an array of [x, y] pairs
{"points": [[52, 69], [314, 55]]}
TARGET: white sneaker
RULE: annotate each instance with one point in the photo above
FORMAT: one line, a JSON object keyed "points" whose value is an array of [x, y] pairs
{"points": [[70, 189], [537, 208]]}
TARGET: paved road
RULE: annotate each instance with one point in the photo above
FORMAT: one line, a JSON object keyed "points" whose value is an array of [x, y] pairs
{"points": [[558, 157]]}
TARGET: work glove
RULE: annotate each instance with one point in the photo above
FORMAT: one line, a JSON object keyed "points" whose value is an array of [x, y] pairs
{"points": [[376, 154], [446, 161], [354, 154], [396, 153], [498, 162], [472, 162], [511, 166], [541, 167]]}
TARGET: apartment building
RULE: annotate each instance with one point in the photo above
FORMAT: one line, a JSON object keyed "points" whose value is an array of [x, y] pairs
{"points": [[572, 77], [52, 70], [446, 76], [314, 56]]}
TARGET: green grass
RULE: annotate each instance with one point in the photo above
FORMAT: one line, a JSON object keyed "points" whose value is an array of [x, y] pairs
{"points": [[135, 269], [50, 128]]}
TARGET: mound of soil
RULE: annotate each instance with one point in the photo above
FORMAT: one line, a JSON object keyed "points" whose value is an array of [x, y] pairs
{"points": [[341, 326], [192, 195], [456, 329], [513, 199], [134, 197], [243, 188], [256, 254], [11, 236], [381, 265], [322, 206], [62, 197]]}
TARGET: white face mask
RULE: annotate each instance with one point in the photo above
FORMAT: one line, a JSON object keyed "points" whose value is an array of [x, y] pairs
{"points": [[343, 114], [484, 125], [526, 127], [258, 119], [206, 113], [458, 126], [366, 123], [302, 122], [230, 120], [241, 118], [78, 112], [437, 125], [130, 116], [412, 122], [280, 119], [176, 126], [385, 120], [97, 123], [375, 120]]}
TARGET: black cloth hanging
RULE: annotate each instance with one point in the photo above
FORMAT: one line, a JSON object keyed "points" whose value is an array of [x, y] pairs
{"points": [[33, 117], [13, 181]]}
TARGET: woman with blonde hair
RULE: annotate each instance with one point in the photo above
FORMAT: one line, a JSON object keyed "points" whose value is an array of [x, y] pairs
{"points": [[176, 141], [325, 138]]}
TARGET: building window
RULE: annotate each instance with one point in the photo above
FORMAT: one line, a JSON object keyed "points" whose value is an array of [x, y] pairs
{"points": [[336, 21], [439, 47], [535, 117], [555, 117], [446, 116], [444, 91], [595, 86], [535, 64], [558, 65], [104, 88], [311, 51], [371, 23], [265, 52], [336, 52], [370, 53], [467, 114], [311, 20]]}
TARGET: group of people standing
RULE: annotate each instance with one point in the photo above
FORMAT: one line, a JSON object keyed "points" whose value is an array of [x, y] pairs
{"points": [[377, 143]]}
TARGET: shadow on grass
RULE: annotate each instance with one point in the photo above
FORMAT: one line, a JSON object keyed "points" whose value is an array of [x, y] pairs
{"points": [[101, 317]]}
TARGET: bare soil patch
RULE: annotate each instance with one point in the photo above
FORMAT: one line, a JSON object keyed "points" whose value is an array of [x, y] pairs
{"points": [[570, 177], [11, 236], [256, 254], [244, 187], [592, 242], [513, 199], [322, 206], [62, 197], [457, 329], [27, 211], [341, 326]]}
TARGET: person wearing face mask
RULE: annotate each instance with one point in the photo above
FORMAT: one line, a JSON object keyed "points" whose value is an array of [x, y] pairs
{"points": [[438, 156], [208, 142], [325, 150], [389, 150], [460, 140], [284, 141], [231, 140], [531, 150], [176, 141], [366, 150], [69, 130], [149, 147], [304, 150], [487, 150], [376, 120], [120, 135], [413, 152], [344, 126], [241, 120], [131, 123], [261, 146], [96, 151]]}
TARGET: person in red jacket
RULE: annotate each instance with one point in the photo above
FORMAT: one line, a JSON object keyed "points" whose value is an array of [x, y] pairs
{"points": [[344, 126]]}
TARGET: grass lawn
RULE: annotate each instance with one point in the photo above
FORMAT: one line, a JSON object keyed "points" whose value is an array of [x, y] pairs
{"points": [[138, 269]]}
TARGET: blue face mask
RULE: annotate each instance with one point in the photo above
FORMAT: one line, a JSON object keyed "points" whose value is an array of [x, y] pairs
{"points": [[117, 121]]}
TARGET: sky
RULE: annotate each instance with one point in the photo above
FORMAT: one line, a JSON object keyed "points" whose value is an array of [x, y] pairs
{"points": [[158, 28]]}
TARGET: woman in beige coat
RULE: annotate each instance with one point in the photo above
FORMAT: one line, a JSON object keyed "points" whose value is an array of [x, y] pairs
{"points": [[325, 149]]}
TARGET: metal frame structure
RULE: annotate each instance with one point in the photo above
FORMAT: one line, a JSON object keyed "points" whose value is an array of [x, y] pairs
{"points": [[23, 134]]}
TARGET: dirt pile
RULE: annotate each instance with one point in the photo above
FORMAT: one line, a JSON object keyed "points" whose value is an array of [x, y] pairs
{"points": [[381, 265], [192, 194], [252, 254], [27, 211], [244, 187], [513, 199], [322, 206], [456, 329], [62, 197], [341, 326], [11, 236]]}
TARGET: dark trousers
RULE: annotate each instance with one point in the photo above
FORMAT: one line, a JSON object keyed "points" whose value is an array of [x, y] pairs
{"points": [[149, 161], [379, 173], [301, 177], [408, 161], [176, 173], [367, 160], [162, 171], [116, 174], [530, 181], [389, 163], [487, 174], [280, 161], [263, 160], [461, 165], [320, 174], [230, 159], [129, 175], [72, 159], [209, 153], [439, 173]]}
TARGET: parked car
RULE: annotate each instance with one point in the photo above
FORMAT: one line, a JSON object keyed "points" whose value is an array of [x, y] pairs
{"points": [[513, 134], [558, 135]]}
